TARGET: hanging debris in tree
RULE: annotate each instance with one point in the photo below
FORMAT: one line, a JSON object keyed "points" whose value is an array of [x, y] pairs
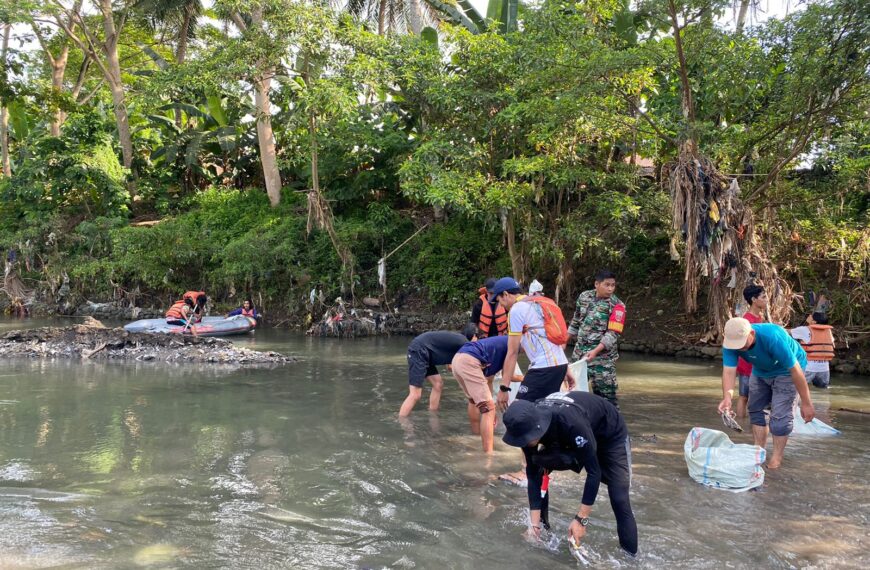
{"points": [[720, 243]]}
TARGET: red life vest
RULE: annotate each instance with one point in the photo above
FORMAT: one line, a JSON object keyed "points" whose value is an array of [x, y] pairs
{"points": [[487, 316], [193, 295], [176, 310], [248, 313], [821, 345]]}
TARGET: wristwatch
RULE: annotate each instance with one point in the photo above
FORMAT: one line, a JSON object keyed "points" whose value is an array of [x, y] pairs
{"points": [[584, 521], [503, 388]]}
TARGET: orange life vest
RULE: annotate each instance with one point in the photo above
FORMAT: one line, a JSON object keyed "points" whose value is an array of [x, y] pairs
{"points": [[821, 345], [193, 295], [176, 310], [487, 316], [250, 313]]}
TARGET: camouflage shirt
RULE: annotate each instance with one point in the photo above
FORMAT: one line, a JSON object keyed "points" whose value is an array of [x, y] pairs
{"points": [[590, 325]]}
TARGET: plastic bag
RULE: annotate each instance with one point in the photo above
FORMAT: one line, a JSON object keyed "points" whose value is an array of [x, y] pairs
{"points": [[515, 386], [715, 461], [815, 427], [580, 369]]}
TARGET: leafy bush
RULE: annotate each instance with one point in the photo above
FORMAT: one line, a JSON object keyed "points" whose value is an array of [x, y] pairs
{"points": [[78, 174]]}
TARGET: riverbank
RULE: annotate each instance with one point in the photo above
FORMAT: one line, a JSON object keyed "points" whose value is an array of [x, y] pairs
{"points": [[646, 334], [94, 342]]}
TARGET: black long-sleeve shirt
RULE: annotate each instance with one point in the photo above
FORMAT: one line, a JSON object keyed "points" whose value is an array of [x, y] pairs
{"points": [[582, 423]]}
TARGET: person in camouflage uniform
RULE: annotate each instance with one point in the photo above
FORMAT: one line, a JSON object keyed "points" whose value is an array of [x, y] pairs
{"points": [[596, 326]]}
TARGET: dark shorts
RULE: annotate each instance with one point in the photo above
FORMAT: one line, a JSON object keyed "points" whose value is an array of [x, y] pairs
{"points": [[743, 385], [779, 393], [419, 367], [821, 379], [541, 382]]}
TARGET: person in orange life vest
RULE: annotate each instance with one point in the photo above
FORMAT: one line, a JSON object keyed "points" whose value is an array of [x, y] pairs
{"points": [[817, 339], [189, 308], [757, 299], [246, 310], [488, 317]]}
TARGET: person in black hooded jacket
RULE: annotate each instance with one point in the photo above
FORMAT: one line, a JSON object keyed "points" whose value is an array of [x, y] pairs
{"points": [[575, 431]]}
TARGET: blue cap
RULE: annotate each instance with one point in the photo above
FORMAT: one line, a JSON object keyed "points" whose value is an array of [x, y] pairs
{"points": [[502, 285]]}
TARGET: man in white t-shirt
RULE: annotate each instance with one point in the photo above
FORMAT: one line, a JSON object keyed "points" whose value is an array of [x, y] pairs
{"points": [[549, 365]]}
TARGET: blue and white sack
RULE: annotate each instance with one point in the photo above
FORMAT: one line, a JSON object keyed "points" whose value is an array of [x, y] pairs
{"points": [[815, 427], [715, 461]]}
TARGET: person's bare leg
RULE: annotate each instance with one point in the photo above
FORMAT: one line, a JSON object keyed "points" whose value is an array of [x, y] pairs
{"points": [[437, 387], [759, 435], [414, 395], [742, 403], [779, 442], [474, 418], [487, 428]]}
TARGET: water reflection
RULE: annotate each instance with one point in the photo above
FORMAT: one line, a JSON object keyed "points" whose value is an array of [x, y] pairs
{"points": [[113, 465]]}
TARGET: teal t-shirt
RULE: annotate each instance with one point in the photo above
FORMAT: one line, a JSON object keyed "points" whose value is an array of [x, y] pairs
{"points": [[774, 353]]}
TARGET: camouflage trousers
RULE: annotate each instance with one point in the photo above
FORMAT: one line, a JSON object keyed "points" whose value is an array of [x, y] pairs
{"points": [[602, 379]]}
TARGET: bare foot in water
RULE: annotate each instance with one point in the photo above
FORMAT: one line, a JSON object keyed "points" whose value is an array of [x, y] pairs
{"points": [[773, 464], [517, 478]]}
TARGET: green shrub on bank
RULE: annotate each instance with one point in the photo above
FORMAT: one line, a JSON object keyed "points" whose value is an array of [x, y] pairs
{"points": [[231, 243]]}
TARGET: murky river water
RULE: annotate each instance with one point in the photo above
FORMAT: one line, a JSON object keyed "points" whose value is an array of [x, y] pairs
{"points": [[136, 465]]}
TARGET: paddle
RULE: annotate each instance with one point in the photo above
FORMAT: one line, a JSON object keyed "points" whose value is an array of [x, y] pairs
{"points": [[189, 321]]}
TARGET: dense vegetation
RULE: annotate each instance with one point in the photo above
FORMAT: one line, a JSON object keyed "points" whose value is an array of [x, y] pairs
{"points": [[287, 144]]}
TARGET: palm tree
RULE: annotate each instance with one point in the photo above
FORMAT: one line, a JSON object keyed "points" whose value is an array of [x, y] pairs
{"points": [[182, 16], [394, 15]]}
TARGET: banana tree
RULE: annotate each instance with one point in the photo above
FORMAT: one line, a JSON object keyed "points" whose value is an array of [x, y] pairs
{"points": [[211, 143], [501, 15]]}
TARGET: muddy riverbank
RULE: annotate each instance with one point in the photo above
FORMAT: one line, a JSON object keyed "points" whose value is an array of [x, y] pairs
{"points": [[367, 322], [94, 342]]}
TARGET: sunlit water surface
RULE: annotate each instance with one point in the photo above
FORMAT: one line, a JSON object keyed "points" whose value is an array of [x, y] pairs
{"points": [[306, 466]]}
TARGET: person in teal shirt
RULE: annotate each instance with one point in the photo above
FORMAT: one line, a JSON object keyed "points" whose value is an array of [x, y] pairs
{"points": [[778, 363]]}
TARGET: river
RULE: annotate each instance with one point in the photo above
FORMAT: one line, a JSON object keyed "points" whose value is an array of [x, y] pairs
{"points": [[306, 466]]}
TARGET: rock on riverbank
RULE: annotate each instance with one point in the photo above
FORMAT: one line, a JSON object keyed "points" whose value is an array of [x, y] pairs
{"points": [[94, 342]]}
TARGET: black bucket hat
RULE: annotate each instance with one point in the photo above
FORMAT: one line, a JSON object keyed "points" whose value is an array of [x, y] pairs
{"points": [[525, 423]]}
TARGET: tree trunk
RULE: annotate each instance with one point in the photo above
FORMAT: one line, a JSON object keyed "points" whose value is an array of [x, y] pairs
{"points": [[382, 16], [266, 139], [741, 15], [4, 112], [687, 105], [320, 212], [265, 134], [516, 257], [116, 85], [58, 70], [415, 16], [181, 50]]}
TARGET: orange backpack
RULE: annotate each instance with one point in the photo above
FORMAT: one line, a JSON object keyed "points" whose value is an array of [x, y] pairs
{"points": [[554, 323]]}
